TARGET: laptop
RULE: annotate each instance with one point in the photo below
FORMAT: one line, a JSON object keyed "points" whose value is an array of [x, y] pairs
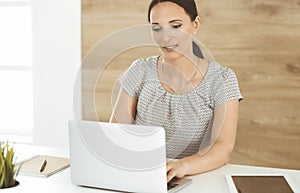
{"points": [[120, 157]]}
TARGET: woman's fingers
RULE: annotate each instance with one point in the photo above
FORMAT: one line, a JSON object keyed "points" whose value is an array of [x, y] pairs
{"points": [[169, 166], [176, 169], [172, 170], [171, 175]]}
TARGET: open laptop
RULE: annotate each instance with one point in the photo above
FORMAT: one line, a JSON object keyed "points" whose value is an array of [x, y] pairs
{"points": [[120, 157]]}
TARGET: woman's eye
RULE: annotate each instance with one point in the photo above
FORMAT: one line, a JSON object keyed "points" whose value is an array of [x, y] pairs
{"points": [[156, 29], [176, 26]]}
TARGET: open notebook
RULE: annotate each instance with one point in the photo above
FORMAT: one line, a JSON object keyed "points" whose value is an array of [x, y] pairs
{"points": [[32, 167]]}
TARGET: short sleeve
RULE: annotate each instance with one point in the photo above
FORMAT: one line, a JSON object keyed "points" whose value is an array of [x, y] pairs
{"points": [[227, 87], [132, 79]]}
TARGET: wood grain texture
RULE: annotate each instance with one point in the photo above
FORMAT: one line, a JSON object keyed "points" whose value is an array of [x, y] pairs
{"points": [[259, 40]]}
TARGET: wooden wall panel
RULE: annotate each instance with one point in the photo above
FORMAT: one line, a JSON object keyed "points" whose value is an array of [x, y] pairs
{"points": [[259, 40]]}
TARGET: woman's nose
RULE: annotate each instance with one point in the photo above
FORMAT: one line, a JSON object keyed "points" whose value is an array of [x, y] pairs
{"points": [[166, 35]]}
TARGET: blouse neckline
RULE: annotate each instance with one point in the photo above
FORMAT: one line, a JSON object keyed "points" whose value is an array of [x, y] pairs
{"points": [[183, 94]]}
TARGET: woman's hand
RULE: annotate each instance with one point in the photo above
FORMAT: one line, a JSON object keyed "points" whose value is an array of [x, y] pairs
{"points": [[177, 169]]}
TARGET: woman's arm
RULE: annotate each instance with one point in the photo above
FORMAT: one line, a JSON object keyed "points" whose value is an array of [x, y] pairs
{"points": [[219, 153], [125, 108]]}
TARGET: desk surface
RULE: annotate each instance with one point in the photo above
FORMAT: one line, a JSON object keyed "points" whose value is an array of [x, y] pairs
{"points": [[209, 182]]}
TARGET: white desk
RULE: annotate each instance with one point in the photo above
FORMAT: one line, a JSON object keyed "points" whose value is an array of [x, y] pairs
{"points": [[210, 182]]}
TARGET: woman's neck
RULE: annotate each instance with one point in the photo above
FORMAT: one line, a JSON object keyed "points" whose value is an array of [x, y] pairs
{"points": [[181, 75], [183, 65]]}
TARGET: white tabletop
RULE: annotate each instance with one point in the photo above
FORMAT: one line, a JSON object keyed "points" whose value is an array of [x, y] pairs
{"points": [[209, 182]]}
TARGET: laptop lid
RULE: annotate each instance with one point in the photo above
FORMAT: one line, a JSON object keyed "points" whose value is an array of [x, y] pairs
{"points": [[118, 156]]}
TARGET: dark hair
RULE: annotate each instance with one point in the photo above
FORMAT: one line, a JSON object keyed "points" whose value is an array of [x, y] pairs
{"points": [[189, 7]]}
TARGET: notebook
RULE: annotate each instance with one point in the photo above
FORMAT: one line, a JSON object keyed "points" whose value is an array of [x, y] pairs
{"points": [[43, 165], [127, 158]]}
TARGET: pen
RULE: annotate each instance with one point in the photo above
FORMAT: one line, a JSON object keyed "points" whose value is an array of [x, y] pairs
{"points": [[43, 165]]}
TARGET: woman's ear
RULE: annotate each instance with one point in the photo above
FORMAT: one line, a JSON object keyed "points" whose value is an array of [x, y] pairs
{"points": [[196, 24]]}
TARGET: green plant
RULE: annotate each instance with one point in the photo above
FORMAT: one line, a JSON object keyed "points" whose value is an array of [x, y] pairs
{"points": [[7, 167]]}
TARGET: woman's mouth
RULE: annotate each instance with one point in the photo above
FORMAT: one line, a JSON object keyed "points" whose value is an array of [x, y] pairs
{"points": [[170, 47]]}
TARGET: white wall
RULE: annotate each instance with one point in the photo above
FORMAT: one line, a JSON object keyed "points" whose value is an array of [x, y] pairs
{"points": [[56, 60]]}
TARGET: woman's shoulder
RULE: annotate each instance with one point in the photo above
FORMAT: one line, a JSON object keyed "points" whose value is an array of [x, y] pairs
{"points": [[221, 72], [224, 85], [150, 59], [144, 62]]}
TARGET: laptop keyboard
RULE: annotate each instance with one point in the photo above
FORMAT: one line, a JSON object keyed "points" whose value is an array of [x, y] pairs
{"points": [[172, 184]]}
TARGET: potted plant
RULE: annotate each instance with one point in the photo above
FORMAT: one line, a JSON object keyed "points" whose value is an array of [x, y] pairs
{"points": [[8, 172]]}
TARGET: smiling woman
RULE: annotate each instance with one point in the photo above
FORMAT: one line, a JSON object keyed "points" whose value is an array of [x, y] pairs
{"points": [[194, 99]]}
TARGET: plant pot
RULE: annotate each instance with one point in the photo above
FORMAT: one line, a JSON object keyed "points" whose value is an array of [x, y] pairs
{"points": [[13, 189]]}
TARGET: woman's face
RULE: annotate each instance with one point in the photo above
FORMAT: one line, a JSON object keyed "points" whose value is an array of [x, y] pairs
{"points": [[172, 29]]}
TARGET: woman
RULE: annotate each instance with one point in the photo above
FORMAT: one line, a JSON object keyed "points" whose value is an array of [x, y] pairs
{"points": [[195, 100]]}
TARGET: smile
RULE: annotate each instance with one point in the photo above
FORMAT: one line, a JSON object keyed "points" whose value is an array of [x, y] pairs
{"points": [[171, 47]]}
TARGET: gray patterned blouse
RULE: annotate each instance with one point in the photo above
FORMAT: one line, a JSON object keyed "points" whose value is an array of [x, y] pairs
{"points": [[186, 118]]}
